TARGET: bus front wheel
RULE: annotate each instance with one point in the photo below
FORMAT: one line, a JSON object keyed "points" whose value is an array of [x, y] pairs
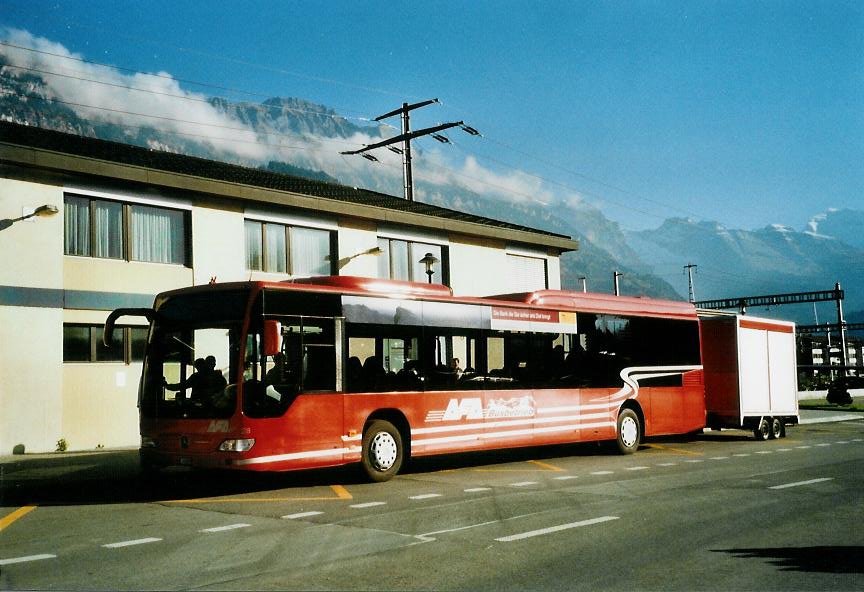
{"points": [[382, 451], [629, 431]]}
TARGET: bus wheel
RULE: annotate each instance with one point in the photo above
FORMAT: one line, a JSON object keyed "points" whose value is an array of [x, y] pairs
{"points": [[629, 431], [763, 430], [382, 451], [776, 428]]}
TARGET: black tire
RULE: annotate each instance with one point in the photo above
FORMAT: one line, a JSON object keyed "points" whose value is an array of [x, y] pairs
{"points": [[776, 428], [629, 432], [762, 431], [383, 451]]}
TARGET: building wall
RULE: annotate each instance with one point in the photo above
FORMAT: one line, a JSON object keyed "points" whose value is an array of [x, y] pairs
{"points": [[94, 404]]}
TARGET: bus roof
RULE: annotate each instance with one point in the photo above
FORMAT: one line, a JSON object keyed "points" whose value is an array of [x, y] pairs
{"points": [[540, 299]]}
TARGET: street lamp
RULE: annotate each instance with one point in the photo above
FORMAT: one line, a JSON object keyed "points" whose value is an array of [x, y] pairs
{"points": [[429, 260], [41, 212]]}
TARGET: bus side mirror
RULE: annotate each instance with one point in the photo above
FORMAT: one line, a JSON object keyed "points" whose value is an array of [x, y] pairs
{"points": [[272, 338]]}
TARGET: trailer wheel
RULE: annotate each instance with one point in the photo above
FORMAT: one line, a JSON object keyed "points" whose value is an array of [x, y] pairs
{"points": [[776, 428], [763, 430], [629, 432], [382, 451]]}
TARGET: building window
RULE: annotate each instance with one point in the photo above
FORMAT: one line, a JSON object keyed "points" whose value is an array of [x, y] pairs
{"points": [[526, 274], [400, 260], [83, 343], [131, 232], [295, 250]]}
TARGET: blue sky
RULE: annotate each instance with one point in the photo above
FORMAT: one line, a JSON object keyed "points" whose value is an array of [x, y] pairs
{"points": [[748, 113]]}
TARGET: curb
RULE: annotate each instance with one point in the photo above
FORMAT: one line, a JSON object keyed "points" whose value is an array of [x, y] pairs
{"points": [[832, 418]]}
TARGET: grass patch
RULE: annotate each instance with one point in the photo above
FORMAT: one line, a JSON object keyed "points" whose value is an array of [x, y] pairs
{"points": [[823, 405]]}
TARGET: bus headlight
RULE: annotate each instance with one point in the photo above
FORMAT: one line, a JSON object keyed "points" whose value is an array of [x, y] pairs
{"points": [[241, 445]]}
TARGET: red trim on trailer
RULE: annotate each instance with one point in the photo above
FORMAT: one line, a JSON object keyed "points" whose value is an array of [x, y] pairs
{"points": [[766, 326]]}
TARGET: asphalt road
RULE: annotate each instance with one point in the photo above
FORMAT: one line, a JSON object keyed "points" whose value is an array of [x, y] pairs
{"points": [[715, 512]]}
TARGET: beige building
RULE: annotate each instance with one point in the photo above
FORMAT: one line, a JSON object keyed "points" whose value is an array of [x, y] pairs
{"points": [[132, 222]]}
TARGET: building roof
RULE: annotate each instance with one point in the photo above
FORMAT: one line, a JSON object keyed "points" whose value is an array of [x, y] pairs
{"points": [[68, 153]]}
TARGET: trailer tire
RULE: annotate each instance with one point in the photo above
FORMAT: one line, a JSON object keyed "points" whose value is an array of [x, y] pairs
{"points": [[776, 428], [762, 431], [382, 452], [629, 432]]}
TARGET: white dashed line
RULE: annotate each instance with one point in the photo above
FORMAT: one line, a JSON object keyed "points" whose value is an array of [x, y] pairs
{"points": [[603, 472], [824, 444], [132, 543], [742, 454], [667, 464], [784, 450], [368, 505], [551, 529], [224, 528], [301, 515], [26, 559], [799, 483], [565, 477], [765, 452], [523, 484], [857, 440], [424, 496], [694, 460], [477, 489], [719, 458], [803, 447], [842, 442], [638, 468]]}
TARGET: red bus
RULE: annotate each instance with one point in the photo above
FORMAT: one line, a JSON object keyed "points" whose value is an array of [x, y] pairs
{"points": [[273, 376]]}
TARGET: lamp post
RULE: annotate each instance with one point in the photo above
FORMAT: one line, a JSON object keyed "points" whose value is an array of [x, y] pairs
{"points": [[41, 212], [429, 260]]}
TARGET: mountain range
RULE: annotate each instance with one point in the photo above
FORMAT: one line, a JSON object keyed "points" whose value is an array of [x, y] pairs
{"points": [[301, 138]]}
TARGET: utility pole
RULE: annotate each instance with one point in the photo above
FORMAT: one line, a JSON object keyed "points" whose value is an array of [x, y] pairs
{"points": [[584, 281], [406, 136], [616, 275], [841, 322], [690, 267]]}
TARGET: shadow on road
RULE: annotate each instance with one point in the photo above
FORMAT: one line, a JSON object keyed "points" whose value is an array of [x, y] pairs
{"points": [[825, 559]]}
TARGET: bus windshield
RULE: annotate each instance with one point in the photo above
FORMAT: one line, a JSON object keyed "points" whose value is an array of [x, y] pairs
{"points": [[191, 367]]}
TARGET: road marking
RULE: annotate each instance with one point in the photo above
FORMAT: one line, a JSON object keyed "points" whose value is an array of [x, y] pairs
{"points": [[132, 543], [546, 466], [477, 489], [799, 483], [19, 513], [523, 484], [803, 447], [719, 458], [26, 559], [368, 505], [603, 473], [551, 529], [742, 454], [675, 450], [339, 490], [224, 528], [429, 536], [565, 477], [424, 496], [857, 440], [301, 515], [784, 450], [765, 452], [666, 464], [694, 460], [637, 468], [842, 442], [823, 445]]}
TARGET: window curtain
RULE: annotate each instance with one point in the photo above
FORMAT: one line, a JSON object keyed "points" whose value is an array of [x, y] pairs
{"points": [[275, 254], [253, 245], [76, 220], [310, 252], [400, 264], [158, 235], [108, 229]]}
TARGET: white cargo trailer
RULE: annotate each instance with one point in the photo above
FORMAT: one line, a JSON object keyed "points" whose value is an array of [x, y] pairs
{"points": [[751, 380]]}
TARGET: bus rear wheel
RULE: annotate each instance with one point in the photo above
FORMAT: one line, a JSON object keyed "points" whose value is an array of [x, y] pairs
{"points": [[383, 451], [777, 428], [629, 432], [762, 431]]}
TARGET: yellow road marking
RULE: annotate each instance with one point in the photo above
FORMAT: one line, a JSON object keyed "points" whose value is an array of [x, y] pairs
{"points": [[675, 450], [546, 466], [19, 513], [339, 490]]}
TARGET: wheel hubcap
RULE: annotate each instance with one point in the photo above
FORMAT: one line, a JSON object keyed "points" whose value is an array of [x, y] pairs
{"points": [[629, 432], [383, 451]]}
